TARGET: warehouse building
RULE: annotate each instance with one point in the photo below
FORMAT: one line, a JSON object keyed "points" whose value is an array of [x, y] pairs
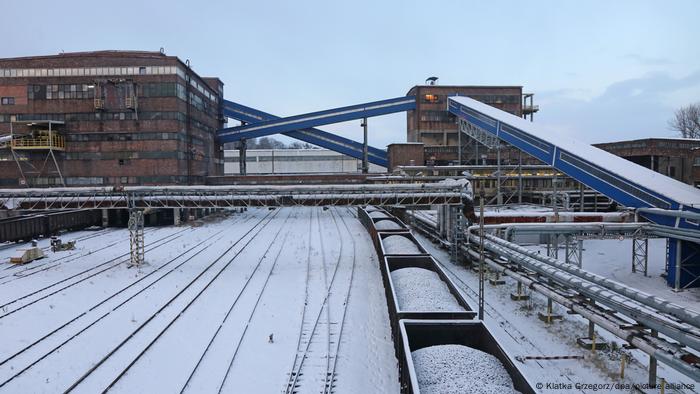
{"points": [[294, 161], [107, 118]]}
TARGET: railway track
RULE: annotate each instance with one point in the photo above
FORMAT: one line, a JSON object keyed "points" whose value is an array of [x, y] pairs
{"points": [[250, 234], [46, 249], [43, 293], [101, 309], [250, 318], [42, 267], [249, 277], [310, 326], [329, 384]]}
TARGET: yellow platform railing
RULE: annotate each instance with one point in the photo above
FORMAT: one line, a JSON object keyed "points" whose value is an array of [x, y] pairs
{"points": [[57, 142]]}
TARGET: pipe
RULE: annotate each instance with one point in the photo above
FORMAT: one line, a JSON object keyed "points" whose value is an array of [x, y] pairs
{"points": [[639, 343], [670, 212], [597, 293], [677, 311], [671, 232], [561, 228]]}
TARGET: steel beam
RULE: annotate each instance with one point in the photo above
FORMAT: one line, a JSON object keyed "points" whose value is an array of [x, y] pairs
{"points": [[313, 136], [320, 118], [141, 197]]}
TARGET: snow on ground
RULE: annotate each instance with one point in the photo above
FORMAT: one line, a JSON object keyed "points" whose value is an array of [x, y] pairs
{"points": [[516, 326], [215, 307], [613, 260]]}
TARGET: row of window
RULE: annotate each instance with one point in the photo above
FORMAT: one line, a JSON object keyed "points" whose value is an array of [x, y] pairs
{"points": [[7, 101], [85, 181], [90, 71], [84, 91], [103, 116], [96, 116], [123, 155], [496, 98], [62, 91], [107, 71], [166, 89], [437, 116], [484, 98], [140, 136]]}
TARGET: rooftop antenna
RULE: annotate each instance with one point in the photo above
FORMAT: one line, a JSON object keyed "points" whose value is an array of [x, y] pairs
{"points": [[431, 81]]}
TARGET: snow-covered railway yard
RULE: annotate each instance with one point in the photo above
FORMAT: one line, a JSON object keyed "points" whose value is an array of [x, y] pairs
{"points": [[284, 300], [280, 300]]}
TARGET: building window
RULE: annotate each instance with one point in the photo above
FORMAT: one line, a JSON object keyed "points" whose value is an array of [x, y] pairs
{"points": [[431, 98], [8, 101]]}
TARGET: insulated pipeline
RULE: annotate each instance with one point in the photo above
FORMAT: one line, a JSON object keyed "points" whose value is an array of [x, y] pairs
{"points": [[600, 294], [688, 316], [610, 326]]}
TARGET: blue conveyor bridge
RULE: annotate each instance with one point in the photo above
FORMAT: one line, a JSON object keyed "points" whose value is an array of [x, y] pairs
{"points": [[662, 200], [302, 127]]}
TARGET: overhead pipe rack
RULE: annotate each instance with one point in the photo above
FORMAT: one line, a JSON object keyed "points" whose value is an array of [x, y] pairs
{"points": [[141, 197]]}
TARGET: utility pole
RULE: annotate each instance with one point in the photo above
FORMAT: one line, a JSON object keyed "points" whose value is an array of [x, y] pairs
{"points": [[365, 150], [499, 195], [459, 146], [481, 252], [242, 149]]}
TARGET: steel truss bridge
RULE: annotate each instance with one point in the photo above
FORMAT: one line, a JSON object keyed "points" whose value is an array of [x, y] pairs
{"points": [[143, 197]]}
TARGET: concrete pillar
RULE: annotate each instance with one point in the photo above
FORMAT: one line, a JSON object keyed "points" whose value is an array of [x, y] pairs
{"points": [[105, 218], [176, 216]]}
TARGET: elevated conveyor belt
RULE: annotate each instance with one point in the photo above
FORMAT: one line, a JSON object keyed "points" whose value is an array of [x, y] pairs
{"points": [[313, 136], [314, 119], [623, 181]]}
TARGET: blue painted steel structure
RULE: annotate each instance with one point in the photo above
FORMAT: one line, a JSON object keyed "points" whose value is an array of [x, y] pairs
{"points": [[313, 136], [320, 118], [683, 256]]}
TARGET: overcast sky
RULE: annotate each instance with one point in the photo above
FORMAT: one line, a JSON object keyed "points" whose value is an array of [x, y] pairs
{"points": [[604, 70]]}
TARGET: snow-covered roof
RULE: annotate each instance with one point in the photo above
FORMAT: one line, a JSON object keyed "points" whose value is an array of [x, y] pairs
{"points": [[678, 191]]}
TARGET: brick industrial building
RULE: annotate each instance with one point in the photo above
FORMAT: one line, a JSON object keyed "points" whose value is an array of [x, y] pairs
{"points": [[431, 124], [678, 158], [107, 118]]}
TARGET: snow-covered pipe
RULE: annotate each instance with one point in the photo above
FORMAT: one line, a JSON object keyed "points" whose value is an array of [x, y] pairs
{"points": [[689, 316], [5, 138], [598, 293], [670, 212], [606, 324], [598, 227], [670, 232], [135, 190]]}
